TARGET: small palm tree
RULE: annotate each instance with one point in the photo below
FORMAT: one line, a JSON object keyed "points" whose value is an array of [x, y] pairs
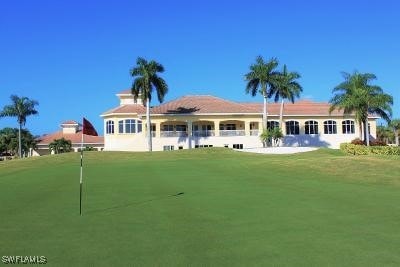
{"points": [[356, 95], [395, 125], [146, 80], [286, 87], [21, 108], [260, 79], [61, 145]]}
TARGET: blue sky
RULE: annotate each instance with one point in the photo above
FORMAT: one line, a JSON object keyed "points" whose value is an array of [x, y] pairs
{"points": [[73, 56]]}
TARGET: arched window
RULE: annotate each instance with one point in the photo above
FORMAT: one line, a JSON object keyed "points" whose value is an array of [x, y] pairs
{"points": [[311, 127], [330, 127], [272, 124], [348, 127], [292, 127], [110, 127]]}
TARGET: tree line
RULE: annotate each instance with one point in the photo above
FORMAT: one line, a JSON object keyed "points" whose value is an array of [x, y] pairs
{"points": [[355, 95]]}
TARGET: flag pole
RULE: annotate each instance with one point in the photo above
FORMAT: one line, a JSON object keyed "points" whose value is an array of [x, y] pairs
{"points": [[81, 179]]}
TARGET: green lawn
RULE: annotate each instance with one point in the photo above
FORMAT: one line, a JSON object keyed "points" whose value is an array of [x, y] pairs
{"points": [[320, 208]]}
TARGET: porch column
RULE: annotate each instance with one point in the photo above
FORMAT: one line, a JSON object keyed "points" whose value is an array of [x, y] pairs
{"points": [[283, 127], [247, 128], [216, 127], [189, 125], [158, 129]]}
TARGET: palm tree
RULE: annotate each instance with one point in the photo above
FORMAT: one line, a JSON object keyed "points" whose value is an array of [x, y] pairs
{"points": [[395, 125], [61, 145], [286, 88], [260, 79], [21, 108], [146, 79], [356, 95]]}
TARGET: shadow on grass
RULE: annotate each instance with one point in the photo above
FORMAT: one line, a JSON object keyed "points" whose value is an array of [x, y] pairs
{"points": [[134, 203]]}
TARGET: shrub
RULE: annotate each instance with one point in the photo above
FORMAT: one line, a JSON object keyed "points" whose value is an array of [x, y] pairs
{"points": [[357, 141], [88, 148], [369, 150], [377, 143]]}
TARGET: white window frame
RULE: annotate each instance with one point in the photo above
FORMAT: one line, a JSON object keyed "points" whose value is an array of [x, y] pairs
{"points": [[330, 127], [311, 127]]}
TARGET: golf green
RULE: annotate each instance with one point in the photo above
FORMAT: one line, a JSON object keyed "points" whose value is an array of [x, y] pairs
{"points": [[203, 207]]}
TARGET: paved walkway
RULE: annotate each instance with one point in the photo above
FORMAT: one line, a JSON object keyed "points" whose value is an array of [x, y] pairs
{"points": [[278, 150]]}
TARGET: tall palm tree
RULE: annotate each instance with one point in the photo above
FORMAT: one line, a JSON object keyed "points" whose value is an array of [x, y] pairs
{"points": [[395, 125], [357, 95], [286, 87], [260, 79], [21, 107], [146, 80]]}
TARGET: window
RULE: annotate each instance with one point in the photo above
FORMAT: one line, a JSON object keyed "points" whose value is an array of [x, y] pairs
{"points": [[238, 146], [206, 127], [311, 127], [272, 125], [120, 126], [292, 127], [330, 127], [167, 148], [180, 128], [227, 126], [110, 127], [180, 147], [130, 126], [253, 125], [139, 126], [348, 127], [168, 128]]}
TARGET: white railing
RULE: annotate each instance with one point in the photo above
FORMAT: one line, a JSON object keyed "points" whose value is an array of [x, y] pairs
{"points": [[253, 132], [231, 132], [173, 134], [204, 133]]}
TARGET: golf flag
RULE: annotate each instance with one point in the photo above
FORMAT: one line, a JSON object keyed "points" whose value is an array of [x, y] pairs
{"points": [[87, 129]]}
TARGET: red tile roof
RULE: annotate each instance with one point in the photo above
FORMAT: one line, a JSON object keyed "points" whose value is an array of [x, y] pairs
{"points": [[200, 104], [69, 122], [130, 108], [301, 107], [125, 92], [207, 104], [74, 138]]}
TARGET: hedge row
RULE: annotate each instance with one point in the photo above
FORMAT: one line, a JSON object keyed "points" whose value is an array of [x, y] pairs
{"points": [[369, 150]]}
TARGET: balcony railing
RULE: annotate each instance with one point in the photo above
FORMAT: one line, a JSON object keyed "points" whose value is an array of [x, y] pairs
{"points": [[231, 132], [173, 134], [204, 133], [253, 132]]}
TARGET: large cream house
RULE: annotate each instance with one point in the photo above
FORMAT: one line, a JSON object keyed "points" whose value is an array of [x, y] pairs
{"points": [[204, 121]]}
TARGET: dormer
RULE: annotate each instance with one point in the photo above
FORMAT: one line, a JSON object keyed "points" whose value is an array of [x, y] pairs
{"points": [[70, 127], [126, 98]]}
